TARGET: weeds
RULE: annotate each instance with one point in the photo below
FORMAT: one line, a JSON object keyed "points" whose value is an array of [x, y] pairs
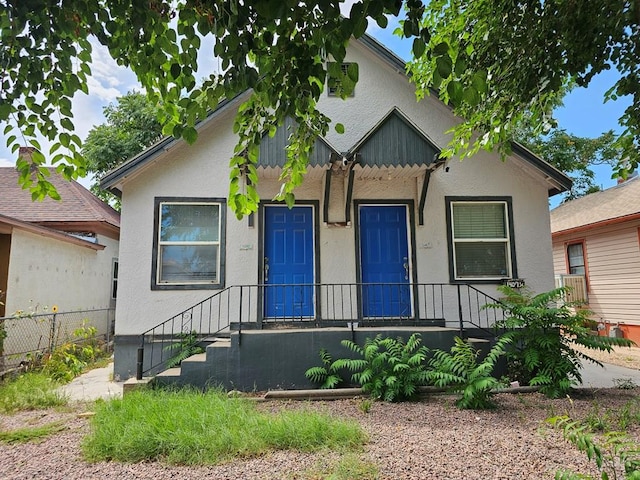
{"points": [[614, 453], [461, 372], [388, 369], [30, 391], [187, 346], [195, 428], [347, 467], [326, 375], [70, 359], [24, 435], [545, 331], [365, 405]]}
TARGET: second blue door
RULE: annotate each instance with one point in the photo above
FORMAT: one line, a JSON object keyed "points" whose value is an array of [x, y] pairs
{"points": [[288, 263], [384, 261]]}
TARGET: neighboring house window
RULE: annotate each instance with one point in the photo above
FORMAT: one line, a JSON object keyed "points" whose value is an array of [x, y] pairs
{"points": [[480, 239], [575, 259], [114, 278], [334, 84], [189, 243]]}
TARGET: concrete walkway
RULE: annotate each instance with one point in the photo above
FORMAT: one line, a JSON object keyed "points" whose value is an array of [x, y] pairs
{"points": [[594, 376], [97, 383], [94, 384]]}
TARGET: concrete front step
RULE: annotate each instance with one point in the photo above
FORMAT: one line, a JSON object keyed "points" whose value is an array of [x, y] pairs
{"points": [[277, 359]]}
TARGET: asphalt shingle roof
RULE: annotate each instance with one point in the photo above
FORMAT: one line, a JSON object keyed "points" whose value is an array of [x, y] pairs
{"points": [[77, 205], [616, 202]]}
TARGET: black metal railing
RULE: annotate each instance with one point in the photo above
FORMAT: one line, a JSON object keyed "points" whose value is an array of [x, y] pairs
{"points": [[317, 305]]}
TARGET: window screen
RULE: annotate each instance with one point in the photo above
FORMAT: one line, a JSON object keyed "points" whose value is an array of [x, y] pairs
{"points": [[481, 243]]}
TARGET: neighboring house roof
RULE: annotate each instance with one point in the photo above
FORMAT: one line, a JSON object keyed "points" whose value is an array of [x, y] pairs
{"points": [[78, 209], [613, 205], [111, 181], [10, 222]]}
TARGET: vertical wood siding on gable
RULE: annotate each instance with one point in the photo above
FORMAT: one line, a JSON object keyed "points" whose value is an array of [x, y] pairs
{"points": [[613, 256]]}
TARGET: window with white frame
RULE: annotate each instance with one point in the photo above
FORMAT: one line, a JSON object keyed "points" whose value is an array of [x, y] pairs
{"points": [[188, 243], [480, 240], [575, 259]]}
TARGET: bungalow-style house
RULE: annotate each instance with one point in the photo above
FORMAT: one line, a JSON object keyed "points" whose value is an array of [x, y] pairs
{"points": [[596, 251], [61, 253], [384, 237]]}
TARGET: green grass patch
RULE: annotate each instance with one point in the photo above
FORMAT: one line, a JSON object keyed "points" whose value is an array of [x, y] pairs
{"points": [[28, 434], [195, 428], [30, 391]]}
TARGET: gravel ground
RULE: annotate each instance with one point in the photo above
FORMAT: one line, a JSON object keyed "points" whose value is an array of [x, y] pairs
{"points": [[623, 356], [425, 440]]}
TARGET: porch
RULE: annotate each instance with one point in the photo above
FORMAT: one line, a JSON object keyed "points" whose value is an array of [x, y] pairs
{"points": [[266, 336]]}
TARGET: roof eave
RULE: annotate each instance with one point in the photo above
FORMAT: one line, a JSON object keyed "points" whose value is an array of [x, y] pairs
{"points": [[48, 232], [592, 225], [113, 178], [561, 182]]}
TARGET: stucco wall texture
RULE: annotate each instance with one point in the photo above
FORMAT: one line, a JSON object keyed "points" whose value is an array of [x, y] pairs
{"points": [[46, 272], [201, 170]]}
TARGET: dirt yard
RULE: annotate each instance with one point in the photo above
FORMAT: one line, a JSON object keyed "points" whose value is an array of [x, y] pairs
{"points": [[424, 440]]}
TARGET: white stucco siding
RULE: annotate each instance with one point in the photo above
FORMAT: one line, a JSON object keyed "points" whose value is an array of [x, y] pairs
{"points": [[379, 89], [44, 272], [202, 170]]}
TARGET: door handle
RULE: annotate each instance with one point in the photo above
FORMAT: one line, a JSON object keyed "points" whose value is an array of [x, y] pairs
{"points": [[405, 265], [265, 266]]}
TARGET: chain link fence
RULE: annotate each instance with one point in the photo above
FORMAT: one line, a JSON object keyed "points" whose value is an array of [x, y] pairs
{"points": [[24, 337]]}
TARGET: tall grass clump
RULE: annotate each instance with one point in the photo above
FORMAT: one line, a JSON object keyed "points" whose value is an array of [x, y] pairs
{"points": [[30, 391], [194, 428]]}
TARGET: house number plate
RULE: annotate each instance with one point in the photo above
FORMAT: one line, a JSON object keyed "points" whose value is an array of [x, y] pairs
{"points": [[514, 283]]}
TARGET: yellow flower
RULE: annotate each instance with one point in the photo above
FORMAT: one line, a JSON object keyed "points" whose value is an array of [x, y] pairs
{"points": [[54, 309]]}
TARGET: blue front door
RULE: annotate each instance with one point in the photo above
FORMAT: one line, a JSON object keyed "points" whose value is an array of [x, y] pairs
{"points": [[288, 264], [384, 261]]}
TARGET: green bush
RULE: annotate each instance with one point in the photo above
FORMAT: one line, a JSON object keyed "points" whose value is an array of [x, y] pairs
{"points": [[460, 372], [544, 332], [196, 428], [388, 369], [70, 359]]}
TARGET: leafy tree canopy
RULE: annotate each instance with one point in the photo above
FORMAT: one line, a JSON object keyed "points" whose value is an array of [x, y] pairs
{"points": [[131, 125], [574, 155], [502, 65], [489, 60]]}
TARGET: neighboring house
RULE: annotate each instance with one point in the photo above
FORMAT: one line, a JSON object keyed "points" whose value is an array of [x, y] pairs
{"points": [[596, 239], [382, 232], [61, 253]]}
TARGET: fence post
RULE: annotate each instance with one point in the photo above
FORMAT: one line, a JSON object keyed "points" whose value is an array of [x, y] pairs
{"points": [[460, 319], [52, 338]]}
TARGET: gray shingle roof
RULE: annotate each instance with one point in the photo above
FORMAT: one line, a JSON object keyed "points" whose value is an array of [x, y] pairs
{"points": [[617, 202]]}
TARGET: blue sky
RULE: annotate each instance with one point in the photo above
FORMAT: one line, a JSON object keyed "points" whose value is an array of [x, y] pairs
{"points": [[583, 112]]}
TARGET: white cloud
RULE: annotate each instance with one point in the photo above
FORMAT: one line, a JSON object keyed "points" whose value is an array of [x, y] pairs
{"points": [[5, 162]]}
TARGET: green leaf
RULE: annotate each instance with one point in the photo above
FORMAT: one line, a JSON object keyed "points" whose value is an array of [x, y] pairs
{"points": [[339, 128], [190, 134], [419, 47]]}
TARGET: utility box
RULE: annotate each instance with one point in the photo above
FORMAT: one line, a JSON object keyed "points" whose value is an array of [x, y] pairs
{"points": [[616, 332]]}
